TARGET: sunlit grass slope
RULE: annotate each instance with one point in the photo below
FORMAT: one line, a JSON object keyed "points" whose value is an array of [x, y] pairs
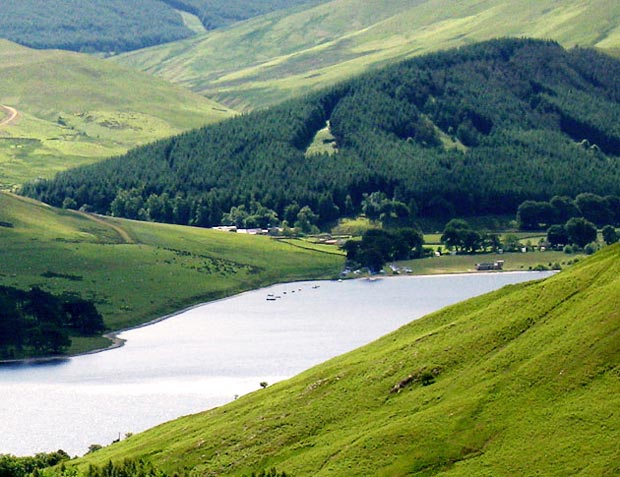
{"points": [[522, 381], [76, 109], [137, 271], [265, 60]]}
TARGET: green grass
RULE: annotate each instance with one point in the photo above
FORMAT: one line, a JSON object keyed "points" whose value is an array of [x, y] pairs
{"points": [[324, 142], [267, 59], [138, 271], [467, 263], [75, 109], [525, 382]]}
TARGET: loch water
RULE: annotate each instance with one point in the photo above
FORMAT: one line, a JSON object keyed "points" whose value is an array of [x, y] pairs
{"points": [[208, 355]]}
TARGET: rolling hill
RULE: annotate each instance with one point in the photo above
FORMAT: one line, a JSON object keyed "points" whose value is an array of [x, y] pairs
{"points": [[521, 381], [135, 271], [265, 60], [110, 26], [123, 25], [470, 131], [75, 109]]}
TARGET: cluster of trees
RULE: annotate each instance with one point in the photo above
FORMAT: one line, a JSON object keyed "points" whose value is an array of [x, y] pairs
{"points": [[12, 466], [577, 231], [477, 130], [110, 26], [601, 211], [378, 247], [40, 323], [458, 235], [41, 464]]}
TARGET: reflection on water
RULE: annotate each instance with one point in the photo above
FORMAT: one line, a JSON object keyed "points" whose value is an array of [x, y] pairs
{"points": [[208, 355]]}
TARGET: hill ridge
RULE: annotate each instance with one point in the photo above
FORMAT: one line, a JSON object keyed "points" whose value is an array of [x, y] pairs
{"points": [[262, 61]]}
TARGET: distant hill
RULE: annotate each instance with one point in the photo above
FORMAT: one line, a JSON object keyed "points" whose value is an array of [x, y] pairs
{"points": [[271, 58], [115, 26], [521, 381], [75, 109], [470, 131], [218, 13], [78, 25]]}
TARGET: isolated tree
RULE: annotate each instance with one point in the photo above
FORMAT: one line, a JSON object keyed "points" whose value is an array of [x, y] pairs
{"points": [[557, 236], [594, 208], [531, 214], [580, 231], [609, 234], [83, 316], [511, 242], [564, 209], [306, 220], [459, 235], [374, 204]]}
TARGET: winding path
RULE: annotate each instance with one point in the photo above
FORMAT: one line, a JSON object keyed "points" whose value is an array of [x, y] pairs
{"points": [[125, 237], [12, 115]]}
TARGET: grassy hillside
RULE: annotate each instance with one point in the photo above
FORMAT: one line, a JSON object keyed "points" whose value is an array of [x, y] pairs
{"points": [[74, 109], [522, 381], [265, 60], [136, 271], [219, 13]]}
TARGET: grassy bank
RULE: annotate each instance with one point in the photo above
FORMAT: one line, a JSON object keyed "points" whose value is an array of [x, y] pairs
{"points": [[512, 262], [138, 271]]}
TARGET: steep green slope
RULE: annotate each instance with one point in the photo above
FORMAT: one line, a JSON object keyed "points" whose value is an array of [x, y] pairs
{"points": [[135, 271], [522, 381], [469, 131], [74, 109], [271, 58]]}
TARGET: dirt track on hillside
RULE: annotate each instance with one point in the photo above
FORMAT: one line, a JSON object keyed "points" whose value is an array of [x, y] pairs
{"points": [[126, 238], [12, 112]]}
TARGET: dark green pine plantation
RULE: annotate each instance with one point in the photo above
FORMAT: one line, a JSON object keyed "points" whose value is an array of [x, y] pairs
{"points": [[471, 131]]}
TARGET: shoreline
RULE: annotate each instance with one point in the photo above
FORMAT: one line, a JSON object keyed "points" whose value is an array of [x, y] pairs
{"points": [[117, 342]]}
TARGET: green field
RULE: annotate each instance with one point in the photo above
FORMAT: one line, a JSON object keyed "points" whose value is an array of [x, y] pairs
{"points": [[139, 271], [75, 109], [267, 59], [521, 381], [467, 263]]}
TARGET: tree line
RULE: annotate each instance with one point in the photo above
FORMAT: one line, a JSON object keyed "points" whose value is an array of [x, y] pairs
{"points": [[472, 131], [36, 322], [601, 211], [378, 247]]}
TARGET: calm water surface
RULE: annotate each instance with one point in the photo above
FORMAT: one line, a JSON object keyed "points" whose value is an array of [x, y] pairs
{"points": [[206, 356]]}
